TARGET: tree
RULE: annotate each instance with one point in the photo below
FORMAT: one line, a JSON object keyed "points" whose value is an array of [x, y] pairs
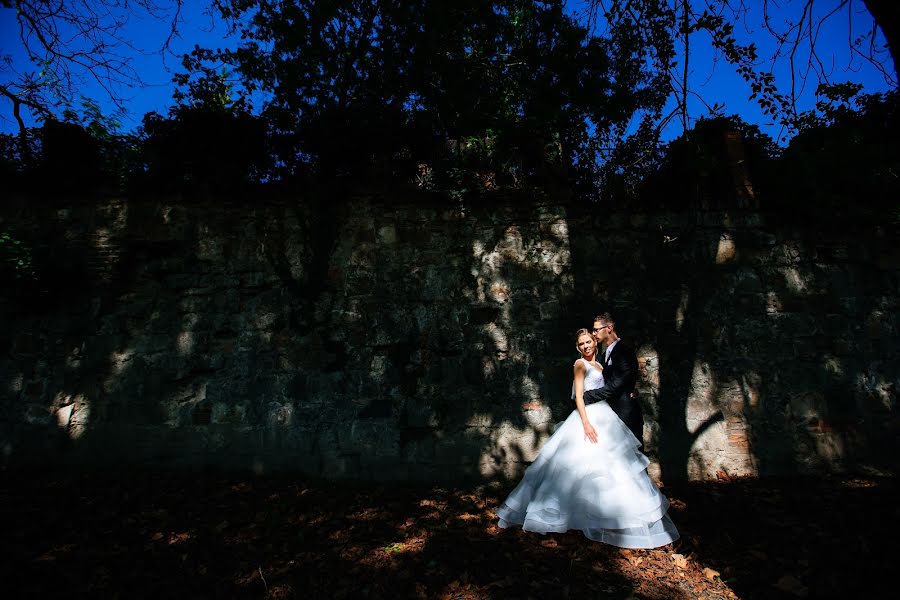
{"points": [[357, 84], [665, 29], [208, 141], [720, 162], [70, 43], [843, 166], [887, 16]]}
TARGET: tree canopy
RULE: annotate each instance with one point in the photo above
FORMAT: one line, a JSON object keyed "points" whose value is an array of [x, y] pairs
{"points": [[454, 95], [70, 43], [378, 82], [667, 30]]}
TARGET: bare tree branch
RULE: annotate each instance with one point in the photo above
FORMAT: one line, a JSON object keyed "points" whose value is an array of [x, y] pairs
{"points": [[70, 43], [797, 41]]}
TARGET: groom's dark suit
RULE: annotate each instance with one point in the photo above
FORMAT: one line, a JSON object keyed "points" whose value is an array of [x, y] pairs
{"points": [[620, 374]]}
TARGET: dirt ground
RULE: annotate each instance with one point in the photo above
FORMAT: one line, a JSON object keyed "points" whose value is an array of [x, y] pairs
{"points": [[155, 535]]}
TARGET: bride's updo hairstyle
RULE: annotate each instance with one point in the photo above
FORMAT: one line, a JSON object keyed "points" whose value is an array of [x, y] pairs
{"points": [[580, 333]]}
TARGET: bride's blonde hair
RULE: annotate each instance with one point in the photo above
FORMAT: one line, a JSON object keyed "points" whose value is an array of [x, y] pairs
{"points": [[580, 333]]}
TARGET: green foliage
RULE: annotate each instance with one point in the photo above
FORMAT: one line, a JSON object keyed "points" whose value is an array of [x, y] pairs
{"points": [[833, 102], [395, 548], [844, 163], [71, 159], [40, 271], [16, 261], [14, 161], [82, 154], [665, 31], [206, 142], [201, 149], [698, 168], [744, 59], [209, 141], [363, 86], [842, 168], [462, 96], [119, 153], [91, 118]]}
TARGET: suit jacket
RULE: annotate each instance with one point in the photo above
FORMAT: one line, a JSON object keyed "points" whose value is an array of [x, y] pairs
{"points": [[620, 374]]}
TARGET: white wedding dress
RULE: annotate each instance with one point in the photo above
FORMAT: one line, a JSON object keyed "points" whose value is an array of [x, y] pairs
{"points": [[603, 489]]}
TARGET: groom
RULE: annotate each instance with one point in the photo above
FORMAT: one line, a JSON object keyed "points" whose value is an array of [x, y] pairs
{"points": [[620, 372]]}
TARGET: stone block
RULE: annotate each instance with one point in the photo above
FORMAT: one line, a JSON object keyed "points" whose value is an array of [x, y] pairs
{"points": [[387, 235], [550, 310]]}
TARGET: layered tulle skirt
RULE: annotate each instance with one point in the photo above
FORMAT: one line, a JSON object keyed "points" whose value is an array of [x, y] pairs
{"points": [[602, 489]]}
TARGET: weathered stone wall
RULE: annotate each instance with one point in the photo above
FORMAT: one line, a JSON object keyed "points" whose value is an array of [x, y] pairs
{"points": [[422, 341]]}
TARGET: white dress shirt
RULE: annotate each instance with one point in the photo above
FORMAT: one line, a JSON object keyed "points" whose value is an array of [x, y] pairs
{"points": [[609, 350]]}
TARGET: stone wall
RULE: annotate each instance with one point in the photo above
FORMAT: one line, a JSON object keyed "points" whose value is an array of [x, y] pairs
{"points": [[432, 340]]}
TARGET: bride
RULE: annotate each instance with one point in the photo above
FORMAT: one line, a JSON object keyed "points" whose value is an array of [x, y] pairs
{"points": [[591, 476]]}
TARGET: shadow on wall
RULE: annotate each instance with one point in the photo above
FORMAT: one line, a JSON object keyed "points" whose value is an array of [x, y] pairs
{"points": [[434, 342], [123, 374], [209, 338], [739, 374]]}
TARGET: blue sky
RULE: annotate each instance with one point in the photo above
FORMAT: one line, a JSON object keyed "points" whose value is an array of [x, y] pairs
{"points": [[715, 82]]}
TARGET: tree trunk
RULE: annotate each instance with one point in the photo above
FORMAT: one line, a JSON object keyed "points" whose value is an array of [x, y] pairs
{"points": [[887, 15], [23, 131]]}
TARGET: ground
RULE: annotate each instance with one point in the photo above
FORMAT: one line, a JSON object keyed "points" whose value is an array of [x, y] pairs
{"points": [[157, 535]]}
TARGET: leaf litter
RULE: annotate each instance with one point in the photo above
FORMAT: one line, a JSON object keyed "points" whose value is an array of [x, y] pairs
{"points": [[149, 535]]}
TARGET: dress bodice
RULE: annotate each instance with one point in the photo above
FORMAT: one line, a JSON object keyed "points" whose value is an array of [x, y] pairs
{"points": [[593, 378]]}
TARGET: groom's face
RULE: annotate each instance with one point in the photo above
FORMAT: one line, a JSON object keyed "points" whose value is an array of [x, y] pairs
{"points": [[600, 331]]}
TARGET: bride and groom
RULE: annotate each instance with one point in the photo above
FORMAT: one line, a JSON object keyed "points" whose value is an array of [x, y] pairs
{"points": [[591, 474]]}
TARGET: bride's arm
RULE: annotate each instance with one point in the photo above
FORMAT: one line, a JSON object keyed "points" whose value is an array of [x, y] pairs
{"points": [[589, 430]]}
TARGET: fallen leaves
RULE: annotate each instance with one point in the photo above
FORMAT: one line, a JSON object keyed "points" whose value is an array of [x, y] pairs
{"points": [[57, 553], [178, 538], [680, 561], [181, 537], [394, 548]]}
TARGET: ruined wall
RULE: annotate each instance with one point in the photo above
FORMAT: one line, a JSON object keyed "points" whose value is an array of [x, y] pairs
{"points": [[432, 341]]}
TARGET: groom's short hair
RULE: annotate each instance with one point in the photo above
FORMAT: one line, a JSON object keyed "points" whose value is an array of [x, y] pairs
{"points": [[605, 317]]}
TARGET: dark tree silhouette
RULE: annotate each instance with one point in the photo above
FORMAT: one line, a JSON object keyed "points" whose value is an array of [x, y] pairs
{"points": [[209, 141], [363, 84], [71, 43], [794, 27]]}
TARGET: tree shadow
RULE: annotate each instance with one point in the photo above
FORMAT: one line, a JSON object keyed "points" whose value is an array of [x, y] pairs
{"points": [[208, 348], [730, 321], [659, 284], [126, 373], [780, 538], [216, 536]]}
